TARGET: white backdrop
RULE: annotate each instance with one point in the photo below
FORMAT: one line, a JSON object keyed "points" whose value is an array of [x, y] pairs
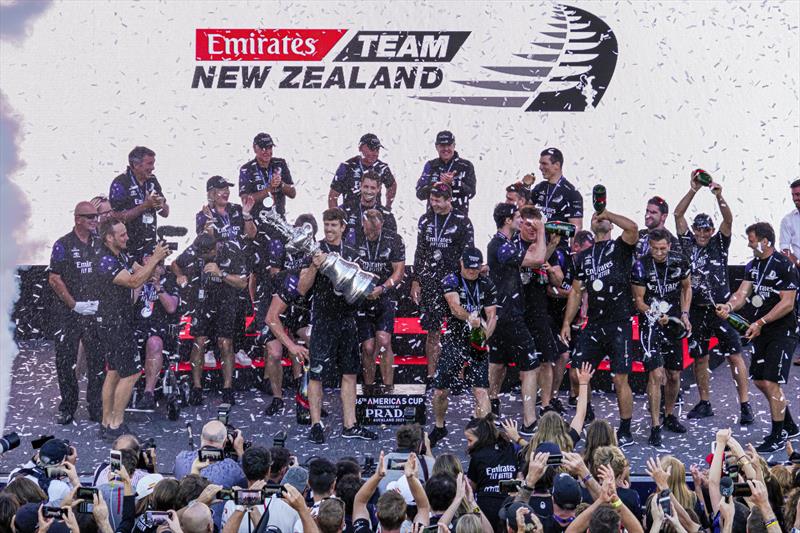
{"points": [[707, 84]]}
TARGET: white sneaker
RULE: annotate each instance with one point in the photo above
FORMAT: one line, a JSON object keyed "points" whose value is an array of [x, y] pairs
{"points": [[210, 360], [242, 359]]}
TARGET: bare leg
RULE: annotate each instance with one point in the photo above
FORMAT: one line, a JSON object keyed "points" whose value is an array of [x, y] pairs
{"points": [[774, 395], [739, 373], [529, 396], [154, 358], [545, 381], [482, 407], [226, 349], [122, 395], [624, 395], [559, 368], [671, 389], [273, 369], [654, 381], [440, 406], [315, 399], [497, 374], [384, 346], [432, 349], [349, 399], [368, 361], [701, 377], [197, 359], [109, 386]]}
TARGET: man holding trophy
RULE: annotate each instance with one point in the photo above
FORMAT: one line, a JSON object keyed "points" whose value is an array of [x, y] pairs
{"points": [[333, 345]]}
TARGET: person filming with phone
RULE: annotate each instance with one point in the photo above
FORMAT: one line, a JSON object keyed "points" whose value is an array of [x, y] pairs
{"points": [[210, 461]]}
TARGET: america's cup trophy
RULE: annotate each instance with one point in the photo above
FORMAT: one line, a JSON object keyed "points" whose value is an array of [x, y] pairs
{"points": [[347, 277]]}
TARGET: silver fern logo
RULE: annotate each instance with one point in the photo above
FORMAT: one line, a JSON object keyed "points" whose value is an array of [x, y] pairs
{"points": [[569, 68]]}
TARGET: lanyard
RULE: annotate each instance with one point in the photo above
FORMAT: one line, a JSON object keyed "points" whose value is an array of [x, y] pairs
{"points": [[140, 193], [261, 175], [225, 219], [473, 297], [550, 196], [595, 260], [760, 275], [370, 257], [437, 233], [661, 289], [327, 247]]}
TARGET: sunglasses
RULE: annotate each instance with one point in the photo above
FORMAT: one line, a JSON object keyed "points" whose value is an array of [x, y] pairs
{"points": [[90, 216]]}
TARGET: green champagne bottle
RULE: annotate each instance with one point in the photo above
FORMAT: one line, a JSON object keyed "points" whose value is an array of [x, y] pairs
{"points": [[565, 229], [477, 339], [738, 322], [302, 407], [703, 177], [599, 198]]}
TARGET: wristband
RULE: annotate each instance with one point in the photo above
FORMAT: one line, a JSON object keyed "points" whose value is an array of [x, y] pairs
{"points": [[247, 217], [773, 522], [586, 478], [523, 441], [730, 307], [616, 504], [477, 510], [684, 313], [763, 322], [526, 487]]}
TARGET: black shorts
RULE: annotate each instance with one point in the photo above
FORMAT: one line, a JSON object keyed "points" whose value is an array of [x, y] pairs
{"points": [[511, 342], [294, 319], [432, 306], [556, 313], [333, 348], [375, 315], [541, 329], [142, 332], [117, 343], [706, 324], [456, 352], [659, 351], [213, 320], [772, 356], [613, 339]]}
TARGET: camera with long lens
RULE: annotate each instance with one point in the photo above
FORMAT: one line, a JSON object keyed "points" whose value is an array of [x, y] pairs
{"points": [[223, 415], [170, 231], [145, 459], [9, 441]]}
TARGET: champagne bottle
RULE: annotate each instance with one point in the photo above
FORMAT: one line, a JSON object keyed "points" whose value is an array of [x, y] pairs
{"points": [[702, 177], [565, 229], [738, 322], [599, 198], [302, 407], [477, 339]]}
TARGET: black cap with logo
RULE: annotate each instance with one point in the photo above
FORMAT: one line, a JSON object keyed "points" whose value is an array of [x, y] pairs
{"points": [[217, 182], [445, 137], [703, 221], [472, 257], [263, 140], [371, 140]]}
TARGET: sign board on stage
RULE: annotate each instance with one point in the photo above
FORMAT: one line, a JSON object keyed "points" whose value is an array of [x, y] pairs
{"points": [[391, 406]]}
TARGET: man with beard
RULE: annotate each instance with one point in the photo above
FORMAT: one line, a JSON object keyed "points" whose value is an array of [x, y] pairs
{"points": [[451, 169], [216, 273], [472, 302], [333, 324], [117, 276], [222, 218], [770, 286], [71, 278], [137, 199], [790, 237], [443, 233], [368, 199], [604, 270], [556, 197], [512, 341], [662, 289], [104, 211], [517, 194], [381, 252], [347, 180], [265, 176], [708, 253], [655, 217]]}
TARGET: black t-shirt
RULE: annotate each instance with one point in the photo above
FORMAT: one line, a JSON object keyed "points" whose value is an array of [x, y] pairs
{"points": [[148, 311], [536, 287], [229, 226], [115, 301], [73, 261], [605, 271], [464, 181], [473, 296], [232, 260], [362, 525], [489, 466], [709, 268], [504, 257], [327, 304], [205, 288], [126, 193], [662, 281], [556, 304], [347, 180], [376, 257], [770, 276], [561, 201], [254, 178], [440, 241], [643, 244], [355, 219]]}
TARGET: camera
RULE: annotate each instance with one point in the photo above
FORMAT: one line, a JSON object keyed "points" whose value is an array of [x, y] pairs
{"points": [[279, 440], [86, 507], [223, 415], [742, 490], [273, 489], [54, 472], [145, 459], [665, 503], [248, 497], [207, 454], [8, 441], [115, 460], [157, 518], [225, 495], [510, 486], [555, 459]]}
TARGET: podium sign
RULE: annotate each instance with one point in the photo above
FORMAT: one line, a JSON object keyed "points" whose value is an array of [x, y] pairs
{"points": [[391, 406]]}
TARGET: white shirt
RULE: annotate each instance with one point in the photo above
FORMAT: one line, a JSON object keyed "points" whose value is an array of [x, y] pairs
{"points": [[281, 515], [790, 233]]}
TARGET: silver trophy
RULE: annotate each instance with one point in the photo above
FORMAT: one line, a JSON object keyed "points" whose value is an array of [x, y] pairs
{"points": [[347, 277]]}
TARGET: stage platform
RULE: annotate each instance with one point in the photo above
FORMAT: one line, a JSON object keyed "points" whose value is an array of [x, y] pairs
{"points": [[34, 401]]}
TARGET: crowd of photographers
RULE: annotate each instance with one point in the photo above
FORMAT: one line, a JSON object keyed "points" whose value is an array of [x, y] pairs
{"points": [[509, 484]]}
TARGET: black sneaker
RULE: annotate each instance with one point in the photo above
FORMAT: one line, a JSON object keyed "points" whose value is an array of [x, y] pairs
{"points": [[589, 414], [436, 435], [771, 444], [624, 439], [323, 413], [147, 402], [316, 435], [359, 432], [529, 430], [538, 400], [64, 418], [275, 407], [96, 417], [495, 407], [113, 433], [556, 404], [701, 410], [572, 401], [196, 396], [228, 396], [746, 416], [101, 433], [655, 436], [790, 432], [546, 409], [672, 424]]}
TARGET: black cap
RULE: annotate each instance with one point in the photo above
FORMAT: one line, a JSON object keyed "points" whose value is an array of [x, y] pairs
{"points": [[217, 182], [53, 452], [508, 513], [263, 140], [371, 140], [703, 221], [472, 257], [440, 188], [566, 492], [445, 137]]}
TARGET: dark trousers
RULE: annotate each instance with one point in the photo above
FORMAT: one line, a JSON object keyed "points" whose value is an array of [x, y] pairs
{"points": [[74, 329]]}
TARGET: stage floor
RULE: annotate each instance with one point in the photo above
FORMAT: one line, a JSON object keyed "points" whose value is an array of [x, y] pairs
{"points": [[35, 397]]}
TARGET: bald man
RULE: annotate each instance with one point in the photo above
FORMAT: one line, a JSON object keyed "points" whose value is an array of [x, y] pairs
{"points": [[71, 276], [227, 472], [196, 518]]}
